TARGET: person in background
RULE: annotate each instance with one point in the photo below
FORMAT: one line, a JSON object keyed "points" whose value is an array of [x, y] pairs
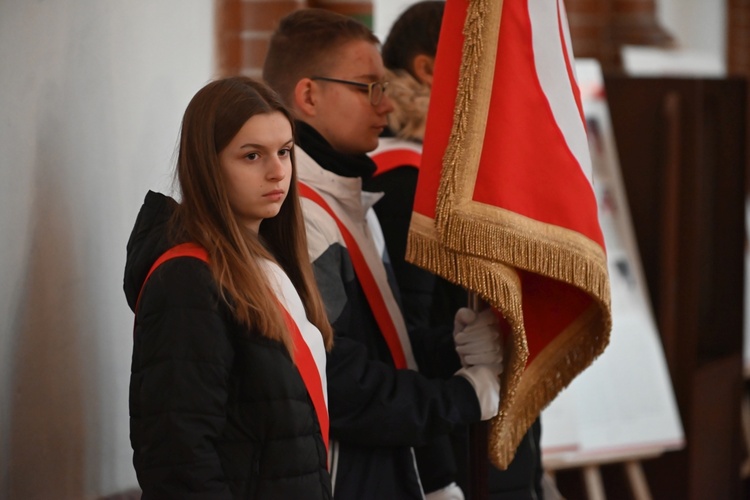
{"points": [[228, 381], [328, 69], [428, 300]]}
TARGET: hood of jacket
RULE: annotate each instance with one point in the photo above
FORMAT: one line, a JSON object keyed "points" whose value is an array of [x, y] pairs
{"points": [[149, 239], [410, 99]]}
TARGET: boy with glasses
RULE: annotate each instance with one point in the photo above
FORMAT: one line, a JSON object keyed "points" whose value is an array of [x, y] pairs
{"points": [[375, 90], [328, 69]]}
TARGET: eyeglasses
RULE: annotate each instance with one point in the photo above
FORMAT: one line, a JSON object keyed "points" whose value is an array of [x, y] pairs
{"points": [[375, 90]]}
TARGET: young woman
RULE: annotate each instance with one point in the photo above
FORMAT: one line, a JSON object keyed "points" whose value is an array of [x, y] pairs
{"points": [[228, 385]]}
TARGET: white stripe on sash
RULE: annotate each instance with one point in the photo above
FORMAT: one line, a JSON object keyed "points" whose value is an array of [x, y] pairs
{"points": [[287, 294]]}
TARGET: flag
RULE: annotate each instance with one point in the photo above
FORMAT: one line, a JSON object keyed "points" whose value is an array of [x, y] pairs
{"points": [[505, 205]]}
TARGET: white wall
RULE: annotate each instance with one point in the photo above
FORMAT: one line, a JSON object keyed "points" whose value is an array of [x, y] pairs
{"points": [[699, 30], [385, 12], [92, 95], [698, 25]]}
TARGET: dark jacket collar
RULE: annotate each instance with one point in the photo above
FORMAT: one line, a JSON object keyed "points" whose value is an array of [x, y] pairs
{"points": [[151, 236], [320, 150]]}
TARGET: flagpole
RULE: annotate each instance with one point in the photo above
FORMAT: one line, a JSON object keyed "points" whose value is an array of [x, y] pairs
{"points": [[478, 441], [478, 461]]}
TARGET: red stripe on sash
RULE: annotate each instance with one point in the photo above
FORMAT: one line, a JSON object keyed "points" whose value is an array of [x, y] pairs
{"points": [[366, 279], [389, 159], [304, 360], [182, 250]]}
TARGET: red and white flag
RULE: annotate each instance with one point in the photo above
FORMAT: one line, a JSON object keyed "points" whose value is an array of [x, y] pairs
{"points": [[505, 204]]}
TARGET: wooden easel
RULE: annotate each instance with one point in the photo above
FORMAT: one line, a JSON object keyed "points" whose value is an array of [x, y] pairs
{"points": [[745, 408], [590, 468], [636, 479]]}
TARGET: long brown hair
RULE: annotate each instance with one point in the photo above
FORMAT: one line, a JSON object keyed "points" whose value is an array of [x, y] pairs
{"points": [[214, 116]]}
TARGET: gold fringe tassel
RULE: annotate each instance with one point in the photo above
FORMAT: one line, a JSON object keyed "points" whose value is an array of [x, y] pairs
{"points": [[526, 391]]}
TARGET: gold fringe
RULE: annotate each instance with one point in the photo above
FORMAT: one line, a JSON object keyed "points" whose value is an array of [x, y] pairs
{"points": [[499, 286], [567, 356], [472, 54], [584, 267], [525, 391]]}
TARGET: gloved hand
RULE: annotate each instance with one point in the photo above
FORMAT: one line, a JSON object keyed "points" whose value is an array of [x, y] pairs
{"points": [[450, 492], [486, 382], [477, 338]]}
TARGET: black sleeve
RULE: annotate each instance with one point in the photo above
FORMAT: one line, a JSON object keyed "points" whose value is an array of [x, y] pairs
{"points": [[182, 356], [372, 403]]}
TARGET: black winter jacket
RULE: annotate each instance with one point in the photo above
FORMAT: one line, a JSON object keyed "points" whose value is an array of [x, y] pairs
{"points": [[216, 412], [378, 413]]}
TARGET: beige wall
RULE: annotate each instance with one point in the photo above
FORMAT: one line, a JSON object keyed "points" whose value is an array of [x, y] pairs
{"points": [[91, 97]]}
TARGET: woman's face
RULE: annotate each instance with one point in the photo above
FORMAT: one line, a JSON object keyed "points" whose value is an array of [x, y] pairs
{"points": [[257, 167]]}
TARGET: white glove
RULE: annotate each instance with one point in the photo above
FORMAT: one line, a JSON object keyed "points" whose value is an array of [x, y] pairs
{"points": [[450, 492], [486, 382], [477, 338]]}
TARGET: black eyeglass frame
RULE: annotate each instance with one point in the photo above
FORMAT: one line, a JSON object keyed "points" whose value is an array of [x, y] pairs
{"points": [[369, 86]]}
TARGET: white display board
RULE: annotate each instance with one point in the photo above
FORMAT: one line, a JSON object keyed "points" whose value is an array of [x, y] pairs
{"points": [[622, 407]]}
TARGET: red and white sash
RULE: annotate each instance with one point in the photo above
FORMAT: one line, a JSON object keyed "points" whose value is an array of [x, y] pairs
{"points": [[309, 350], [372, 277], [392, 153]]}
